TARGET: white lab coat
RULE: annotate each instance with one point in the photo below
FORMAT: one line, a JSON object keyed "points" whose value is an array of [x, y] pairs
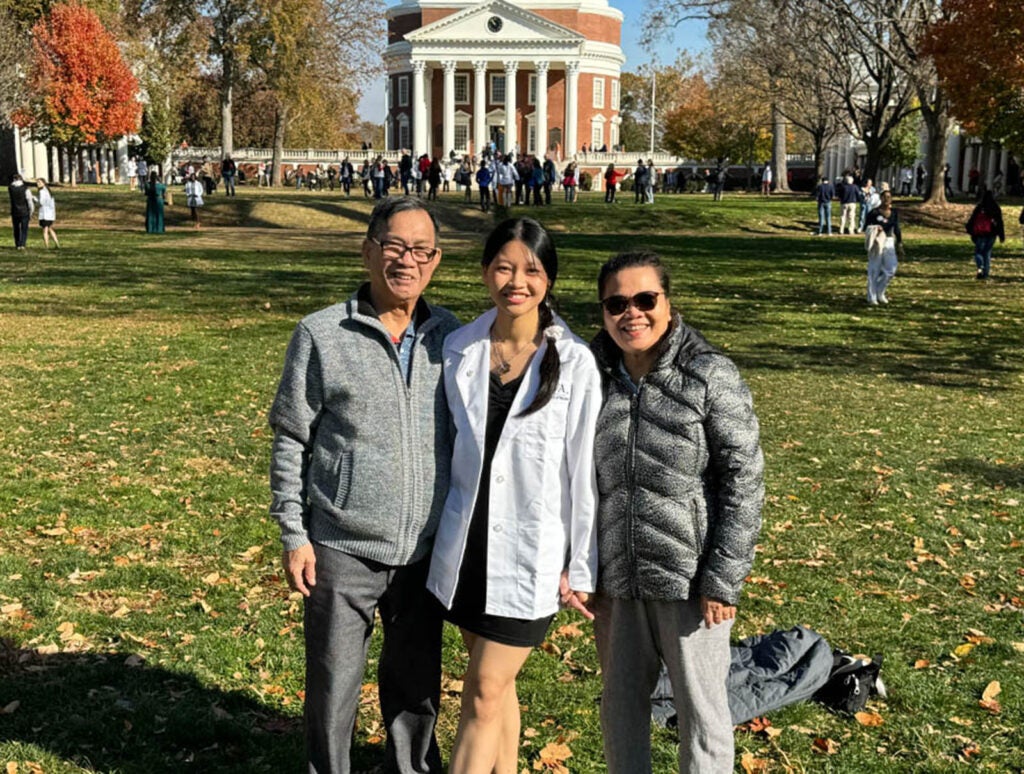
{"points": [[543, 488]]}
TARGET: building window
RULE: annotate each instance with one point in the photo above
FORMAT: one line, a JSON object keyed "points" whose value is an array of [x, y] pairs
{"points": [[461, 88], [403, 131], [531, 91], [614, 131], [554, 138], [599, 92], [390, 88], [531, 138], [403, 91], [615, 95], [596, 135], [497, 89], [461, 137]]}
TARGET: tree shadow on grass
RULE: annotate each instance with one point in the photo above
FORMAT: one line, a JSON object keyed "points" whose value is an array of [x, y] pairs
{"points": [[990, 473], [97, 712]]}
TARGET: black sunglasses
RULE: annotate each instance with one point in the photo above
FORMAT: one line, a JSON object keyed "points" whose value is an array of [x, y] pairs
{"points": [[644, 302]]}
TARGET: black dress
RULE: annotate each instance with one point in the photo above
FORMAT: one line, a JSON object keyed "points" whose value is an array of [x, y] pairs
{"points": [[467, 609]]}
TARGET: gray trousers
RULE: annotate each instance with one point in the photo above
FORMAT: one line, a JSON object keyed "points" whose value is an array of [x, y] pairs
{"points": [[338, 623], [633, 637]]}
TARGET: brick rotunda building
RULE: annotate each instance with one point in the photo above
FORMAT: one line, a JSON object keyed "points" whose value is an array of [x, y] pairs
{"points": [[533, 76]]}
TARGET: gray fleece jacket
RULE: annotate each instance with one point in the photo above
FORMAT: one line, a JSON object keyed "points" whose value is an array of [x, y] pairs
{"points": [[361, 459], [679, 473]]}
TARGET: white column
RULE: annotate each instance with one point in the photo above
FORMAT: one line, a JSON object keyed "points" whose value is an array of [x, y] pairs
{"points": [[965, 176], [572, 88], [428, 107], [993, 161], [542, 108], [953, 158], [448, 133], [479, 107], [419, 110], [511, 135]]}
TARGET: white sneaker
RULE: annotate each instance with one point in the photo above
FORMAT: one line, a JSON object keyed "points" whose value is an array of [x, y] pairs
{"points": [[882, 299], [872, 302]]}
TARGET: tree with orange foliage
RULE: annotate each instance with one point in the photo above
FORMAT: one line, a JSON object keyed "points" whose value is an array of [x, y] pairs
{"points": [[81, 91], [977, 51]]}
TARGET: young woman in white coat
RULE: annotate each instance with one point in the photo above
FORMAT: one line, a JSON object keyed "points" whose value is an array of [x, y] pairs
{"points": [[517, 535]]}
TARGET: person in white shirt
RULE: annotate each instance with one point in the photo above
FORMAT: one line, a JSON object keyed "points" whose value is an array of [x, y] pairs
{"points": [[516, 536], [47, 213], [766, 180]]}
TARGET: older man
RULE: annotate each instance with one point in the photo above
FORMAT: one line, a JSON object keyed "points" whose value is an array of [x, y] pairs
{"points": [[359, 474]]}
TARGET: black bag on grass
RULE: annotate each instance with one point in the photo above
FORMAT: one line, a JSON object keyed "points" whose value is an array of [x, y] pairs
{"points": [[852, 681]]}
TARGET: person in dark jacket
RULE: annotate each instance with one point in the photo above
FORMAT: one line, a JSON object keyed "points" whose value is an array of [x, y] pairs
{"points": [[825, 193], [21, 210], [550, 176], [680, 482], [985, 226], [640, 175]]}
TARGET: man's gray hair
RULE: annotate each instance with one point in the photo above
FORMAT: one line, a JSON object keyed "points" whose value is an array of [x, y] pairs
{"points": [[391, 206]]}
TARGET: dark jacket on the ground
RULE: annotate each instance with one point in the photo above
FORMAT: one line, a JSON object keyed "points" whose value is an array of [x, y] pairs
{"points": [[679, 472]]}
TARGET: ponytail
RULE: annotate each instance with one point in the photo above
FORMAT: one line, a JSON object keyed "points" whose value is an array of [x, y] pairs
{"points": [[550, 364]]}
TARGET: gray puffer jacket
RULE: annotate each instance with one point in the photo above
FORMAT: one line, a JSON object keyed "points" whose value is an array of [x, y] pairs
{"points": [[679, 472]]}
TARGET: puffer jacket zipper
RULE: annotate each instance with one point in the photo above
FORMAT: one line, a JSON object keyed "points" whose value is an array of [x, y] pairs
{"points": [[634, 417]]}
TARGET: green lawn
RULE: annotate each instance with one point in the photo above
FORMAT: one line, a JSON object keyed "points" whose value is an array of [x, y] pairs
{"points": [[145, 624]]}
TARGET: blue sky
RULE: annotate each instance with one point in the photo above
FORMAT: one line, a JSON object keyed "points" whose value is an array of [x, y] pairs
{"points": [[690, 35]]}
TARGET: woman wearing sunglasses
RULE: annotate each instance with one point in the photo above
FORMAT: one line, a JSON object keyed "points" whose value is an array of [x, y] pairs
{"points": [[517, 532], [679, 470]]}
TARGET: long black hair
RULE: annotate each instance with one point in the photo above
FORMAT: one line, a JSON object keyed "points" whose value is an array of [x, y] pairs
{"points": [[539, 243]]}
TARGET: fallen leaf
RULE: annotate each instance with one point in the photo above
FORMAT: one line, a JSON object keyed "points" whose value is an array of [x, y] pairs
{"points": [[12, 767], [868, 718], [530, 733], [212, 578], [988, 698], [553, 757], [922, 663], [752, 765], [962, 650], [569, 630], [825, 746], [11, 708], [1018, 646]]}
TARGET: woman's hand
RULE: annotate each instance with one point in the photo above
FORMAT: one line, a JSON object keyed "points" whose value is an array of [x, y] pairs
{"points": [[577, 600], [715, 611]]}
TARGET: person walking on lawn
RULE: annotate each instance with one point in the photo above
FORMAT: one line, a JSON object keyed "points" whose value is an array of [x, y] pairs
{"points": [[985, 226]]}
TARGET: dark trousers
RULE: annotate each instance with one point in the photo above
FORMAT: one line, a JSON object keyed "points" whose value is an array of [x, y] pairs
{"points": [[547, 193], [485, 198], [519, 192], [536, 194], [229, 185], [339, 616], [20, 223]]}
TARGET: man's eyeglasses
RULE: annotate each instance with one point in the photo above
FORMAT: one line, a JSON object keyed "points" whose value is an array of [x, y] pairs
{"points": [[644, 302], [395, 249]]}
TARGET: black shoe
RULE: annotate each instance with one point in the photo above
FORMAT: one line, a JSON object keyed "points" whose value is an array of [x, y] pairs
{"points": [[979, 275]]}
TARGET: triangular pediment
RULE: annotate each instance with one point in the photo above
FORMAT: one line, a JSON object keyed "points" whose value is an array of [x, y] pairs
{"points": [[495, 21]]}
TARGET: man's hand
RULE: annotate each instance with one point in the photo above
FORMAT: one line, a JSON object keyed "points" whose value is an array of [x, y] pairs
{"points": [[577, 600], [300, 568], [715, 611]]}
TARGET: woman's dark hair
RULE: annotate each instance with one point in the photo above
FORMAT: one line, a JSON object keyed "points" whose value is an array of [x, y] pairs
{"points": [[988, 203], [630, 260], [539, 243]]}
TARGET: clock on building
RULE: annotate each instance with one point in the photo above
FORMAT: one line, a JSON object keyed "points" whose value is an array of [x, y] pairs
{"points": [[494, 24]]}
